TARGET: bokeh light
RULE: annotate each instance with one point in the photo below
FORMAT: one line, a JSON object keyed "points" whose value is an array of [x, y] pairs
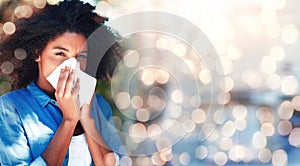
{"points": [[273, 81], [294, 137], [162, 43], [290, 34], [241, 124], [156, 159], [5, 87], [137, 102], [23, 11], [185, 158], [296, 103], [179, 50], [289, 85], [161, 76], [227, 84], [20, 54], [39, 3], [286, 110], [122, 100], [252, 79], [103, 8], [239, 111], [7, 67], [53, 2], [9, 28], [228, 129], [226, 143], [142, 115], [131, 58], [177, 96], [284, 127], [279, 157], [259, 140], [264, 155], [204, 76], [138, 132], [220, 158], [198, 116], [268, 129], [126, 160], [252, 115], [154, 131]]}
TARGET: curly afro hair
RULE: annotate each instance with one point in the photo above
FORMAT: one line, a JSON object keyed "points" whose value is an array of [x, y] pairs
{"points": [[32, 35]]}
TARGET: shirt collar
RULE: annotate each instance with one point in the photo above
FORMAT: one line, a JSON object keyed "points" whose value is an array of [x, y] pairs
{"points": [[38, 94]]}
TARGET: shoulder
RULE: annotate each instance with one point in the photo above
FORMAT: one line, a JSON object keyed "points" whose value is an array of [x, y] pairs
{"points": [[14, 95], [8, 106], [13, 100], [101, 100], [104, 105]]}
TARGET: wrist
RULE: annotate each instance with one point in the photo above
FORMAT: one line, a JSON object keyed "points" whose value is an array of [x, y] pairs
{"points": [[69, 122], [70, 116]]}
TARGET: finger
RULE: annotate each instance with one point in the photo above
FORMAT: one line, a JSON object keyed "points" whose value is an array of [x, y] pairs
{"points": [[69, 84], [77, 86], [64, 74]]}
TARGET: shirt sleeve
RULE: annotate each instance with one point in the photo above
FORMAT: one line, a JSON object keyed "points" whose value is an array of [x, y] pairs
{"points": [[105, 107], [106, 124], [14, 148]]}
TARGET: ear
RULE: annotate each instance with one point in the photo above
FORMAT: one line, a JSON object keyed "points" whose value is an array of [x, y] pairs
{"points": [[39, 56], [38, 59]]}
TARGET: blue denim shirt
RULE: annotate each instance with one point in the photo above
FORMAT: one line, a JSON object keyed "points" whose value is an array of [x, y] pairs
{"points": [[29, 119]]}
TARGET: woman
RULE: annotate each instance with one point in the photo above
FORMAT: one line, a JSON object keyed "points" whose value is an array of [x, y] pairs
{"points": [[41, 125]]}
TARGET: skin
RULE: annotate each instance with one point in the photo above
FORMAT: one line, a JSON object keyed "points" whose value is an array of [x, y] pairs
{"points": [[67, 45]]}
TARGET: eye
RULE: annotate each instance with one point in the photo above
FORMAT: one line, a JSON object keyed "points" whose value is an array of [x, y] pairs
{"points": [[81, 57], [60, 54]]}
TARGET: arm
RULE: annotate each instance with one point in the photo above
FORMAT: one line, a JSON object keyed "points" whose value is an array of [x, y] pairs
{"points": [[100, 154], [67, 100], [13, 138], [59, 143]]}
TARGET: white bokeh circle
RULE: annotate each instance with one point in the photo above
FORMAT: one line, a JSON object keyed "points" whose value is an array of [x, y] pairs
{"points": [[169, 71]]}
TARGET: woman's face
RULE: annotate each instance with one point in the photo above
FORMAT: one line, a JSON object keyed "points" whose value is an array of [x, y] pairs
{"points": [[68, 45]]}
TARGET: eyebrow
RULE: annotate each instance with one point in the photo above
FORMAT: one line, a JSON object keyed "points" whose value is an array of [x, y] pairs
{"points": [[60, 48], [83, 51]]}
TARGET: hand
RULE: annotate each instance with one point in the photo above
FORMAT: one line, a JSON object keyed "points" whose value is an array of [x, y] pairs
{"points": [[88, 122], [68, 97], [85, 111]]}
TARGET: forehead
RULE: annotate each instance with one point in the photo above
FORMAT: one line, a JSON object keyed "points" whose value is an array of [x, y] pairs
{"points": [[69, 40]]}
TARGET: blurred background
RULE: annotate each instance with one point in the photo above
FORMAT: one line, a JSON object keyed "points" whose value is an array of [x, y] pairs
{"points": [[252, 118]]}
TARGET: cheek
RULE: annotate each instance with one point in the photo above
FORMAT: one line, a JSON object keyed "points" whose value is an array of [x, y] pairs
{"points": [[82, 64], [48, 66]]}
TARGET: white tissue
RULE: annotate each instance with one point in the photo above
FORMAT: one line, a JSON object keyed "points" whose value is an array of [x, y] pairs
{"points": [[87, 83]]}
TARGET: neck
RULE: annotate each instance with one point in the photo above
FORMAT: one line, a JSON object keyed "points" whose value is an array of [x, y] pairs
{"points": [[45, 86]]}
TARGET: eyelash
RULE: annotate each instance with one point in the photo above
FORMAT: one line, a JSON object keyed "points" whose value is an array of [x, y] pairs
{"points": [[78, 57], [60, 54], [81, 57]]}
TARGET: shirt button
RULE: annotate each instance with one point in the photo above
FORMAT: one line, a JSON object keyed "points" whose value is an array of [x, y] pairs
{"points": [[53, 101]]}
